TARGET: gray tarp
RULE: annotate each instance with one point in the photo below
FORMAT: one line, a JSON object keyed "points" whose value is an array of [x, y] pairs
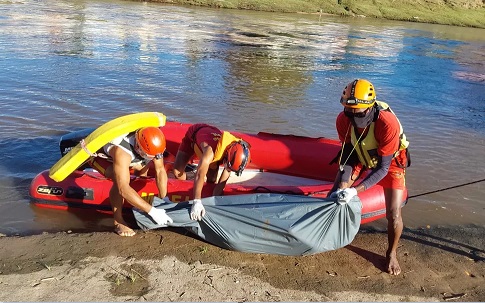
{"points": [[267, 223]]}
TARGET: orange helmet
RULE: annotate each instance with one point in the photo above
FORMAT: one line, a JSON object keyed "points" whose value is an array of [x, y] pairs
{"points": [[359, 93], [238, 156], [150, 142]]}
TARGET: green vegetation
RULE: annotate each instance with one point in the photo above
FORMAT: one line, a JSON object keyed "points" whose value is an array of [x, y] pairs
{"points": [[470, 13], [203, 249]]}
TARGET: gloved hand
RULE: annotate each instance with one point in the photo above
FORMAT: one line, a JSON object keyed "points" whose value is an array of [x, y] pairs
{"points": [[159, 216], [335, 193], [197, 211], [346, 195]]}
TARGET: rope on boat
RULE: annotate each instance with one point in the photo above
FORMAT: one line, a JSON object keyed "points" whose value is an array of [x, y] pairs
{"points": [[85, 148]]}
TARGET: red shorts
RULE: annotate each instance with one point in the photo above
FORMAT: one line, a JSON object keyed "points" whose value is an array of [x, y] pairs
{"points": [[186, 145], [203, 133], [394, 179]]}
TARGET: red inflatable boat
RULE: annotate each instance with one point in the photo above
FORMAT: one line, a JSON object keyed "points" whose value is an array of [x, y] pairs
{"points": [[279, 164]]}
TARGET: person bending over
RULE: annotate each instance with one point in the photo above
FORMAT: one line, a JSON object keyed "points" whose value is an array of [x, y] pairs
{"points": [[213, 147], [134, 151]]}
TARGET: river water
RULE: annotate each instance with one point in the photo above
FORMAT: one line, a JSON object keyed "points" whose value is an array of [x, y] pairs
{"points": [[67, 65]]}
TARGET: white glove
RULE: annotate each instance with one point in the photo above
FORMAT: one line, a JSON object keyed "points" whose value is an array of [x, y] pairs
{"points": [[335, 193], [159, 216], [197, 211], [346, 195]]}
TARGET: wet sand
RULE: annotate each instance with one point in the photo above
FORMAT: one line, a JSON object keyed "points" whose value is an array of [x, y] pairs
{"points": [[439, 264]]}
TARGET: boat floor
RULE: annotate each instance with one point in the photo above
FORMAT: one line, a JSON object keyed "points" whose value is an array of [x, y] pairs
{"points": [[256, 177]]}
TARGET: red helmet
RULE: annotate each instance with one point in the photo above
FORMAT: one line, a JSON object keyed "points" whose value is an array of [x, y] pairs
{"points": [[238, 156], [150, 142]]}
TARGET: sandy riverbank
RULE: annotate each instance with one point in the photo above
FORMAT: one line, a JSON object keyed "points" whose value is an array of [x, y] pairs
{"points": [[439, 264]]}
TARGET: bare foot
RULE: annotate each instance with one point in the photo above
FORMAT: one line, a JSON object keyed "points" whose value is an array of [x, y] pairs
{"points": [[393, 267], [124, 230]]}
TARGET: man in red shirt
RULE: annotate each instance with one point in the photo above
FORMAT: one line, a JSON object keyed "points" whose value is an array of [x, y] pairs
{"points": [[372, 141], [213, 147]]}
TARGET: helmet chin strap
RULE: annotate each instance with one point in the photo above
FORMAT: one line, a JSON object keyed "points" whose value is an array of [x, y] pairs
{"points": [[245, 161]]}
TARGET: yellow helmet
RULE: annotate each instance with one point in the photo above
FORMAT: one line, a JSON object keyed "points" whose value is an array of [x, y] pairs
{"points": [[359, 93]]}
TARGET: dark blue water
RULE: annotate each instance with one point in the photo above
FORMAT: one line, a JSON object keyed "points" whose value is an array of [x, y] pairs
{"points": [[71, 65]]}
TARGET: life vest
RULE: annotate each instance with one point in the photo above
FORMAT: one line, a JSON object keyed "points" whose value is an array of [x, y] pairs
{"points": [[126, 143], [366, 147], [224, 141]]}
